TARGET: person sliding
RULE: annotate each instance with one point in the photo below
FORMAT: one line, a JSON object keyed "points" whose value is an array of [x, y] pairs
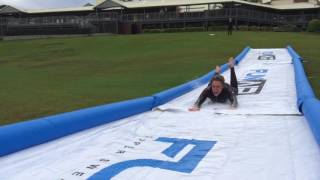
{"points": [[218, 90]]}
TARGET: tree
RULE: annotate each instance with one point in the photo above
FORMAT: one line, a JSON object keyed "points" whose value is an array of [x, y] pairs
{"points": [[314, 25]]}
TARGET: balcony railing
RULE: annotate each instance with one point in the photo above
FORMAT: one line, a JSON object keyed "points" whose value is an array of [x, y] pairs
{"points": [[239, 14]]}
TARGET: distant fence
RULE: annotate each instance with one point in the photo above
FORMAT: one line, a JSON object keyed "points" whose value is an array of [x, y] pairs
{"points": [[237, 14]]}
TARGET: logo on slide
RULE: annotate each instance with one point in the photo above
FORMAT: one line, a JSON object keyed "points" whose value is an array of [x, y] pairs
{"points": [[185, 165], [253, 82], [267, 56]]}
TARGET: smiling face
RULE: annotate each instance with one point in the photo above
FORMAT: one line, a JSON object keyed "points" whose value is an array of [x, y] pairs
{"points": [[216, 87]]}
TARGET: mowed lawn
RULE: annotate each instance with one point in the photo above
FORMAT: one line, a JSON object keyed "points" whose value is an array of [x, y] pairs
{"points": [[50, 76]]}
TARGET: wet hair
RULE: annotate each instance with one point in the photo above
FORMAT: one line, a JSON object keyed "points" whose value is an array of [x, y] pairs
{"points": [[217, 77]]}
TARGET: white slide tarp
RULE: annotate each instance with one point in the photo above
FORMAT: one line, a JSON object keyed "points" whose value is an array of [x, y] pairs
{"points": [[265, 138]]}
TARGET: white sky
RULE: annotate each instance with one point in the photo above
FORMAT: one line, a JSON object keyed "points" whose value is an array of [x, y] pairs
{"points": [[41, 4]]}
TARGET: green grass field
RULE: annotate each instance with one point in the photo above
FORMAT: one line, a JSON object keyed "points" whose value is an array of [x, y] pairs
{"points": [[49, 76]]}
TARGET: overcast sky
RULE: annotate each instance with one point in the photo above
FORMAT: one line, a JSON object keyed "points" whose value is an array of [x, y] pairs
{"points": [[41, 4]]}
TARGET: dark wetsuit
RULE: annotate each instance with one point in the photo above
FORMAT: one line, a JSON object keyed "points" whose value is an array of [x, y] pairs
{"points": [[228, 92]]}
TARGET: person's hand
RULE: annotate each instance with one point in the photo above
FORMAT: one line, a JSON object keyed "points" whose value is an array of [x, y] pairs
{"points": [[231, 62], [218, 70], [233, 108], [194, 108]]}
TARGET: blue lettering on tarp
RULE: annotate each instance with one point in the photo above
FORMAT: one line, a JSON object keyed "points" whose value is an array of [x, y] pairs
{"points": [[253, 82], [257, 74], [185, 165], [268, 55]]}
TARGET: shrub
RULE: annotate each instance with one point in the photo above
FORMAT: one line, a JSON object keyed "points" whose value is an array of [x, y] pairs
{"points": [[194, 29], [217, 28], [290, 28], [266, 28], [314, 25], [254, 28], [278, 29], [243, 28], [172, 30], [152, 30], [286, 28]]}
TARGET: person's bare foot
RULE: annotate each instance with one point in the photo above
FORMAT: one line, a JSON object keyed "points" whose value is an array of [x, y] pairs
{"points": [[231, 62], [218, 70]]}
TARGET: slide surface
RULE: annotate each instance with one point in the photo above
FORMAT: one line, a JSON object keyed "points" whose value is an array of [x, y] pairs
{"points": [[265, 138]]}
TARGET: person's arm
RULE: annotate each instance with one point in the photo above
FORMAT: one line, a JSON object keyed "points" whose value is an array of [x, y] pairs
{"points": [[203, 96], [217, 73], [233, 99]]}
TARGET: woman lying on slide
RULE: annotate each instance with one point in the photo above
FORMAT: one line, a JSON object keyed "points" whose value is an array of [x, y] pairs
{"points": [[218, 90]]}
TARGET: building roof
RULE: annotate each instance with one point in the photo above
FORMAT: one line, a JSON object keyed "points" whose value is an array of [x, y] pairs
{"points": [[5, 9], [88, 4], [159, 3], [109, 4], [113, 4], [74, 9], [12, 10]]}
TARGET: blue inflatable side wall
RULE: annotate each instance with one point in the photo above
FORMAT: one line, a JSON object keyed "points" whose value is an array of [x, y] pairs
{"points": [[304, 90], [22, 135], [19, 136], [307, 103], [311, 110]]}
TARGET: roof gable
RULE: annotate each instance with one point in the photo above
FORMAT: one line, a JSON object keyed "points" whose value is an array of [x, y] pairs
{"points": [[10, 10], [108, 4]]}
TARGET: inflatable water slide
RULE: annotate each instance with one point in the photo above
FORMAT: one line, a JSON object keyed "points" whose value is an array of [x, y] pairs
{"points": [[274, 134]]}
